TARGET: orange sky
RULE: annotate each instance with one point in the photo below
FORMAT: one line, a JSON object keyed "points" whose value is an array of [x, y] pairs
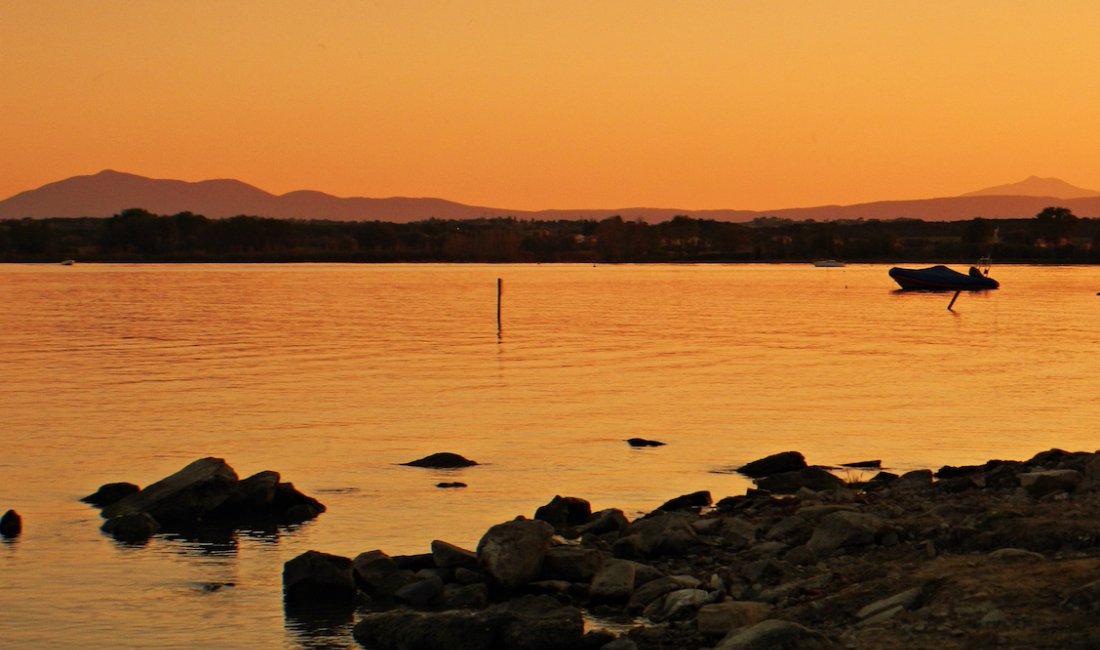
{"points": [[533, 104]]}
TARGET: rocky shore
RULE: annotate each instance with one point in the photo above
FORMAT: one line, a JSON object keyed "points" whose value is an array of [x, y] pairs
{"points": [[1001, 555]]}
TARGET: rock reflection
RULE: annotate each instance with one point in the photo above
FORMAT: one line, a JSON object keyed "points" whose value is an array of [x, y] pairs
{"points": [[205, 541], [319, 628]]}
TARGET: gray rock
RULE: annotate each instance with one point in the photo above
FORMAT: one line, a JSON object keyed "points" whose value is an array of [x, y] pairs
{"points": [[790, 530], [737, 533], [652, 590], [442, 460], [136, 527], [474, 596], [318, 579], [1039, 484], [668, 533], [372, 568], [449, 556], [610, 520], [422, 593], [613, 582], [718, 619], [468, 576], [801, 555], [841, 529], [512, 553], [182, 497], [1017, 554], [886, 608], [676, 604], [11, 524], [775, 635], [541, 623], [787, 461], [572, 563], [916, 480], [109, 493]]}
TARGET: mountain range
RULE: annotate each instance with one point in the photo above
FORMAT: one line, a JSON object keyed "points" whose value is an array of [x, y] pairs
{"points": [[109, 192]]}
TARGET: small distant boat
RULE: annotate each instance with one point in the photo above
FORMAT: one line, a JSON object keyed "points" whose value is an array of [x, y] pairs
{"points": [[828, 263], [941, 278], [67, 262]]}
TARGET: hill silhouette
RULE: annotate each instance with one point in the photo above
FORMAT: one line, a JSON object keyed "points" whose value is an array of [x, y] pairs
{"points": [[109, 192], [1036, 186]]}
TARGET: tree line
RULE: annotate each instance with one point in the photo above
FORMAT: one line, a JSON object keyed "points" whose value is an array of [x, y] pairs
{"points": [[1054, 235]]}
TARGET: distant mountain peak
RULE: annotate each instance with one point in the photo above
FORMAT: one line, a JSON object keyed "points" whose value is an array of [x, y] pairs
{"points": [[1037, 186]]}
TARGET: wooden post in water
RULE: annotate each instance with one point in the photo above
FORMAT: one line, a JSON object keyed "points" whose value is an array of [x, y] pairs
{"points": [[500, 290], [949, 305]]}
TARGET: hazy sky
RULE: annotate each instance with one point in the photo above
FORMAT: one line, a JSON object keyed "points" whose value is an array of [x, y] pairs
{"points": [[540, 104]]}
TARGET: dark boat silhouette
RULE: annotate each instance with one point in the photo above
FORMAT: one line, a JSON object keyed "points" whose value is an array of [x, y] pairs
{"points": [[941, 278]]}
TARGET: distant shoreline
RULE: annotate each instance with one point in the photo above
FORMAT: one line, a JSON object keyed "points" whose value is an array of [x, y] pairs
{"points": [[138, 236]]}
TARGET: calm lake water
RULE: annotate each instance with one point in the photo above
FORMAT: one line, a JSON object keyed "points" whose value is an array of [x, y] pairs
{"points": [[334, 374]]}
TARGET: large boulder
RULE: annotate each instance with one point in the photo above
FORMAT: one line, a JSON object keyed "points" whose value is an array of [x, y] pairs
{"points": [[184, 496], [613, 582], [513, 552], [787, 461], [315, 579]]}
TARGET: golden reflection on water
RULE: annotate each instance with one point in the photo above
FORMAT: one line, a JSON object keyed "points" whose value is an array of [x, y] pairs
{"points": [[335, 374]]}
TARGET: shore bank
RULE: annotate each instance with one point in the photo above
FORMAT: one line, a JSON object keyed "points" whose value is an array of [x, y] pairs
{"points": [[1005, 554]]}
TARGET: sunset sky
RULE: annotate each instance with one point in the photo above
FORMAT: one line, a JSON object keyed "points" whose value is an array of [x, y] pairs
{"points": [[563, 104]]}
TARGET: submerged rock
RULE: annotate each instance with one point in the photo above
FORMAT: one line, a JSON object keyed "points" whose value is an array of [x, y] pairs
{"points": [[642, 442], [135, 527], [442, 460], [110, 493], [787, 461], [11, 524], [206, 491]]}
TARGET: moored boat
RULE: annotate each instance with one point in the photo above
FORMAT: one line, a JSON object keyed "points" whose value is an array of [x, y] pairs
{"points": [[828, 263], [941, 278]]}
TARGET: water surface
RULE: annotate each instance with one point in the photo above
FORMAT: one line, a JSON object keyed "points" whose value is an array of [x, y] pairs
{"points": [[333, 375]]}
